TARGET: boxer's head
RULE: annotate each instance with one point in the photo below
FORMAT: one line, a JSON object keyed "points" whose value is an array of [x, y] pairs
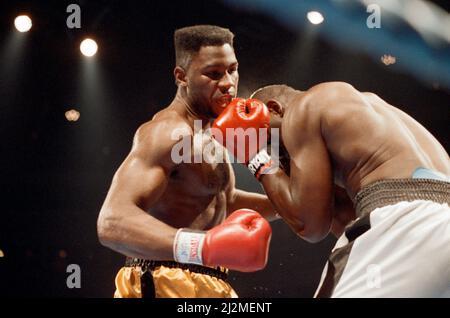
{"points": [[206, 68], [277, 98]]}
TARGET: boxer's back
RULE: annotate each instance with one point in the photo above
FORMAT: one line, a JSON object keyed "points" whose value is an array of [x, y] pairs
{"points": [[369, 140]]}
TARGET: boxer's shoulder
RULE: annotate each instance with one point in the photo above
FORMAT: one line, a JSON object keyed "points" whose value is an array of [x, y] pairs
{"points": [[157, 137], [167, 125], [331, 88], [328, 100], [328, 94]]}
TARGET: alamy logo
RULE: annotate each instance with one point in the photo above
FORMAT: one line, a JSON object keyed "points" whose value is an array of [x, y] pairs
{"points": [[374, 20], [206, 145], [74, 279], [73, 21]]}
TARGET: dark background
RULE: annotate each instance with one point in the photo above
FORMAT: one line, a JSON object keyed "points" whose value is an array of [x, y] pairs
{"points": [[55, 173]]}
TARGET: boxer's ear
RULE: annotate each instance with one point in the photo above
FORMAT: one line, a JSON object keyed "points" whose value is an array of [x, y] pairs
{"points": [[180, 76], [275, 107]]}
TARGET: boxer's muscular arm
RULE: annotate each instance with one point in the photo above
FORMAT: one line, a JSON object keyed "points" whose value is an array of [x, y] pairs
{"points": [[123, 225], [304, 200]]}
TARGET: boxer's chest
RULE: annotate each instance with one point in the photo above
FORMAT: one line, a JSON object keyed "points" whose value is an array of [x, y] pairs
{"points": [[209, 169]]}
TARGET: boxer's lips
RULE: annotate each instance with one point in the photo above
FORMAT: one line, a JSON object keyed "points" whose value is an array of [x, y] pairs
{"points": [[224, 100]]}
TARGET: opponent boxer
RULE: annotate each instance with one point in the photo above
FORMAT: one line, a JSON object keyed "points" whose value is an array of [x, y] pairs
{"points": [[396, 241], [152, 196]]}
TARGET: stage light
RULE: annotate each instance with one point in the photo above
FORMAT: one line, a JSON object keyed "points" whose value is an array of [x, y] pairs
{"points": [[388, 59], [88, 47], [2, 254], [72, 115], [23, 23], [62, 254], [315, 17]]}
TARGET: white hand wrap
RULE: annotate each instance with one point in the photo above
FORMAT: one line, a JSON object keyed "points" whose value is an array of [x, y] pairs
{"points": [[188, 246], [259, 163]]}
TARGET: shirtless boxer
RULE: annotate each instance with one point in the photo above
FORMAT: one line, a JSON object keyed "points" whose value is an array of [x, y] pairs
{"points": [[152, 196], [396, 241]]}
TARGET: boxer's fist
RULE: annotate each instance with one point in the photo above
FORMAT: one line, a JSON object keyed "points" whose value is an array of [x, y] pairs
{"points": [[240, 243], [242, 128], [253, 119]]}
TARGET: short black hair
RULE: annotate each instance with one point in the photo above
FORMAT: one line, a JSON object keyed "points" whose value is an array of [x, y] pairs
{"points": [[189, 40], [271, 91]]}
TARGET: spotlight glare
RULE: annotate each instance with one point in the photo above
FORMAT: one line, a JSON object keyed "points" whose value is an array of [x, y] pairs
{"points": [[23, 23], [388, 59], [315, 17], [62, 253], [72, 115], [88, 47]]}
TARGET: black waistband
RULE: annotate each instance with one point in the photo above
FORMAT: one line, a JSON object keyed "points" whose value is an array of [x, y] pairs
{"points": [[149, 265], [391, 191]]}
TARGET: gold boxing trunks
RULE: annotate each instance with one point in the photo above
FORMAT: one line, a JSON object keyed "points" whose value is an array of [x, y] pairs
{"points": [[168, 279]]}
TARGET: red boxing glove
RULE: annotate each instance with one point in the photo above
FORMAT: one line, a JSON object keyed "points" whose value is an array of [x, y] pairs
{"points": [[242, 128], [240, 243]]}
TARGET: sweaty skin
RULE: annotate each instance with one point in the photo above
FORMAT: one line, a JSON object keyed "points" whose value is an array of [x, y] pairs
{"points": [[151, 196], [338, 137]]}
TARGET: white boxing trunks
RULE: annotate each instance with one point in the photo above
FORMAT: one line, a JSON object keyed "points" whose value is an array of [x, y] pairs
{"points": [[399, 246]]}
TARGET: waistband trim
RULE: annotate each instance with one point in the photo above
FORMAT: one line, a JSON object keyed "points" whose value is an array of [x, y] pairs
{"points": [[149, 265], [391, 191]]}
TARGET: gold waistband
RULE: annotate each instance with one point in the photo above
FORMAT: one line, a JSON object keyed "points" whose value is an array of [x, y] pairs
{"points": [[391, 191]]}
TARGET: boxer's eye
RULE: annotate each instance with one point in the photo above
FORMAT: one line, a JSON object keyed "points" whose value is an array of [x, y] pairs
{"points": [[215, 75]]}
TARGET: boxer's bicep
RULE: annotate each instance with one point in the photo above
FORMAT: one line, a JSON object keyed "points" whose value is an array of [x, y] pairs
{"points": [[311, 180], [139, 182], [123, 223], [143, 176], [311, 187]]}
